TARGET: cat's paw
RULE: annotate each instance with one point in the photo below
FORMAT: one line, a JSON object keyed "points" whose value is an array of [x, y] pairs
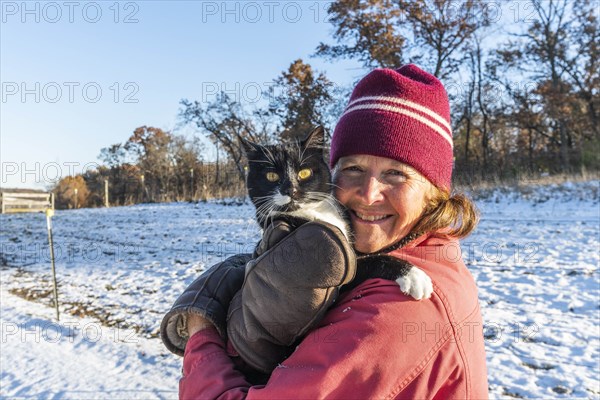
{"points": [[416, 283]]}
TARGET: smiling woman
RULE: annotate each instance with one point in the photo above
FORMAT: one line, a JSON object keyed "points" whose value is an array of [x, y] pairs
{"points": [[392, 156]]}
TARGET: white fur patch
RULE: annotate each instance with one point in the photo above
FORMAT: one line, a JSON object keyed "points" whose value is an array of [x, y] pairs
{"points": [[416, 284], [280, 199], [326, 212]]}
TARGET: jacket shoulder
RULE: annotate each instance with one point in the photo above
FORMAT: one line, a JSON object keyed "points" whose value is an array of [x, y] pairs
{"points": [[393, 331], [441, 258], [437, 344]]}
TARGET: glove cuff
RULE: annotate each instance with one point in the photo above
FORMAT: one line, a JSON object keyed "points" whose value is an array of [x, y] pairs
{"points": [[173, 329], [208, 296]]}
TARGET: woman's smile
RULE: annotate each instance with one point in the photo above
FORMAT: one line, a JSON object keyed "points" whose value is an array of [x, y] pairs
{"points": [[366, 217], [385, 197]]}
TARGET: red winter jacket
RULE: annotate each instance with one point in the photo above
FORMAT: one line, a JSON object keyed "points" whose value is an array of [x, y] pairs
{"points": [[375, 343]]}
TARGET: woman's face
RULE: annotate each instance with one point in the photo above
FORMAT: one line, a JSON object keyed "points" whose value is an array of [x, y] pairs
{"points": [[385, 198]]}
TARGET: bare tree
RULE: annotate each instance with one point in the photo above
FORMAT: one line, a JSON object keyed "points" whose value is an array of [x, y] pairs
{"points": [[539, 54], [225, 122], [385, 33], [367, 31], [154, 159], [582, 64]]}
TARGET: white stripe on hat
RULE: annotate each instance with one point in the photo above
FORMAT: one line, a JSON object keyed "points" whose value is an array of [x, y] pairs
{"points": [[406, 103], [400, 110]]}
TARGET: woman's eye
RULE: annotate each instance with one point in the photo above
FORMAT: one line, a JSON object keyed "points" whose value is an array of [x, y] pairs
{"points": [[396, 175], [352, 168], [272, 176], [304, 174], [395, 172]]}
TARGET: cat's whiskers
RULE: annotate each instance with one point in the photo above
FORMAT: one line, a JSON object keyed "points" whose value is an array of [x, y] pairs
{"points": [[301, 152], [263, 197], [272, 218], [267, 205], [268, 155], [333, 185], [262, 161], [262, 206], [326, 197], [303, 159], [268, 214], [321, 195]]}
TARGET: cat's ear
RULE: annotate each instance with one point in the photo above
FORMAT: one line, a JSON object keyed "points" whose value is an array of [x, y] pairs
{"points": [[316, 138], [249, 147]]}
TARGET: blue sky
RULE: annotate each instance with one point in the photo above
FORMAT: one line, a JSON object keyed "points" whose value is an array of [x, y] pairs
{"points": [[80, 76]]}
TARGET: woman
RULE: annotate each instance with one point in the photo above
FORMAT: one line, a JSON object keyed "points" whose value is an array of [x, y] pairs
{"points": [[392, 159]]}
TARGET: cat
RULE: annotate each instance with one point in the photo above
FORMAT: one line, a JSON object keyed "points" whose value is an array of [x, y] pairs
{"points": [[293, 181]]}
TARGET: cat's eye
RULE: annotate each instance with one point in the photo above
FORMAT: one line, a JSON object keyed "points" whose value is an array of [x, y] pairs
{"points": [[304, 174], [272, 176]]}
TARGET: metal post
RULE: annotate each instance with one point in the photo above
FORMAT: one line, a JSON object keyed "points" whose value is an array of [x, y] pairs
{"points": [[106, 193], [192, 184], [143, 188], [217, 176], [49, 214]]}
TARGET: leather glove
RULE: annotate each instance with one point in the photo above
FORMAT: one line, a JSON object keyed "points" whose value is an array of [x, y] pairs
{"points": [[287, 291], [209, 296], [276, 231]]}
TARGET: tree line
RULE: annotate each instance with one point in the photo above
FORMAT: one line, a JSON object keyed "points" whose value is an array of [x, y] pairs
{"points": [[524, 102], [153, 165]]}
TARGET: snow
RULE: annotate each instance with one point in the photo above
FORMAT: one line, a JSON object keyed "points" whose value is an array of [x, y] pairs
{"points": [[535, 257]]}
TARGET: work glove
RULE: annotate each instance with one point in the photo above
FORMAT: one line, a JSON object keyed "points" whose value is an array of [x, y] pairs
{"points": [[287, 290], [208, 296], [274, 233]]}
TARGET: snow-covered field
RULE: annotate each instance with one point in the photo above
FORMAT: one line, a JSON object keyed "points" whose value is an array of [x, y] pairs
{"points": [[535, 257]]}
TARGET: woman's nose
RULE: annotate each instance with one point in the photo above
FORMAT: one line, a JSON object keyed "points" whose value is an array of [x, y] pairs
{"points": [[371, 190]]}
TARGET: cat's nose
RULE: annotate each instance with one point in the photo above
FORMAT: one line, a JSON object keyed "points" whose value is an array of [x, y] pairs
{"points": [[293, 192]]}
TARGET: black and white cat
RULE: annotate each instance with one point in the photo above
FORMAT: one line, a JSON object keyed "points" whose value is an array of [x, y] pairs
{"points": [[293, 180]]}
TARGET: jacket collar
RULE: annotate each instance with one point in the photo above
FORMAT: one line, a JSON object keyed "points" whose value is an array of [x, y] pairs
{"points": [[411, 241]]}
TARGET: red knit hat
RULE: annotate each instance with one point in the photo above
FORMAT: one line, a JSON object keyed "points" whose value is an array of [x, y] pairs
{"points": [[401, 114]]}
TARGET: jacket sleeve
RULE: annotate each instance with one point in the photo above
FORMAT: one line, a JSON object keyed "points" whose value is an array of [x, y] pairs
{"points": [[367, 346], [208, 372]]}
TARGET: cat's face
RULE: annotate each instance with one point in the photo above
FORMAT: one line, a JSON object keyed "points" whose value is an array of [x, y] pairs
{"points": [[283, 178]]}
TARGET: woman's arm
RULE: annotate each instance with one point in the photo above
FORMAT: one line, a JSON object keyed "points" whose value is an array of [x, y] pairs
{"points": [[370, 345], [208, 372]]}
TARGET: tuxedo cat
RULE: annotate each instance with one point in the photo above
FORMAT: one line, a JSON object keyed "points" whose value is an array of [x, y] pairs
{"points": [[292, 181]]}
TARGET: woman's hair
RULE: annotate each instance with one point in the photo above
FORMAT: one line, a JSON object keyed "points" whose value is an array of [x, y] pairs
{"points": [[457, 215]]}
